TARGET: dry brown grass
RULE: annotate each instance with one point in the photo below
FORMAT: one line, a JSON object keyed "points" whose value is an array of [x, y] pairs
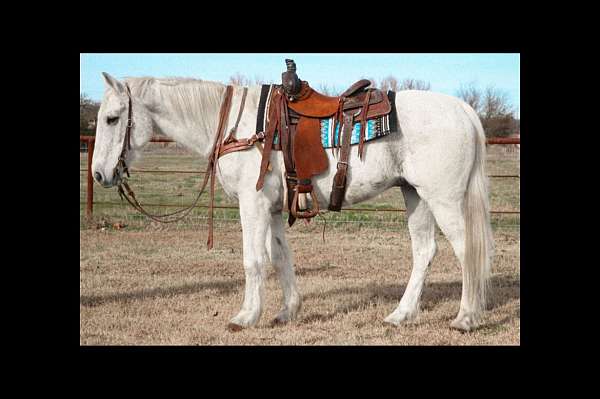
{"points": [[158, 285], [161, 286]]}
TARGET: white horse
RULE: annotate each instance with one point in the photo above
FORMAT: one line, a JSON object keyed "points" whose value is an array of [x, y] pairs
{"points": [[437, 157]]}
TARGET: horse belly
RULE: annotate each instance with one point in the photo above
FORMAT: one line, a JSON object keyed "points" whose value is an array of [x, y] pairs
{"points": [[379, 170]]}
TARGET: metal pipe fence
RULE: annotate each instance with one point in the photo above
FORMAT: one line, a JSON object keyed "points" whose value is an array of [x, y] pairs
{"points": [[89, 148]]}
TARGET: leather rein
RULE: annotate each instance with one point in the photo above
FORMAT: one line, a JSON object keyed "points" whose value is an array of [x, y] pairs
{"points": [[220, 148]]}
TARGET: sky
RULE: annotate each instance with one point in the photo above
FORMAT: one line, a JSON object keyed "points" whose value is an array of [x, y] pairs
{"points": [[445, 72]]}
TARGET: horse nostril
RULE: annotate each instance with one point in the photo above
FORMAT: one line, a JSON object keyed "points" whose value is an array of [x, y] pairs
{"points": [[98, 177]]}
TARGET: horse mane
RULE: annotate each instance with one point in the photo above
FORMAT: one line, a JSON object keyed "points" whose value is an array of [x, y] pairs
{"points": [[191, 100]]}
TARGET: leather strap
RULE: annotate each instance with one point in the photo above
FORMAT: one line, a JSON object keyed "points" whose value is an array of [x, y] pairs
{"points": [[269, 136], [224, 115], [121, 166], [241, 144], [363, 125], [286, 138], [339, 180], [231, 135]]}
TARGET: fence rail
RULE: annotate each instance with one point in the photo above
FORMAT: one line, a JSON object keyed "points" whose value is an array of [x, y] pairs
{"points": [[90, 140]]}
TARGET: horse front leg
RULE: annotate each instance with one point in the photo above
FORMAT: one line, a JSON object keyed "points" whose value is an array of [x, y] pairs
{"points": [[255, 218], [282, 261]]}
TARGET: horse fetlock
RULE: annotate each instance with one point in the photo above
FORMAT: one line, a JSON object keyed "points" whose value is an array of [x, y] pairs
{"points": [[289, 311], [465, 321], [398, 317], [244, 319], [294, 305]]}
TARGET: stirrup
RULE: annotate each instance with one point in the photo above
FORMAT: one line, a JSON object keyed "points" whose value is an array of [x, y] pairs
{"points": [[307, 214]]}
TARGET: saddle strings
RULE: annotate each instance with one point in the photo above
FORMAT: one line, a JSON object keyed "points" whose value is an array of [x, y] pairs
{"points": [[320, 214]]}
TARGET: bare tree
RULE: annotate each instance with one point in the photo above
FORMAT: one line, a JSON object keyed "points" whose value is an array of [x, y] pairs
{"points": [[471, 95], [493, 107], [259, 80], [327, 90], [414, 84], [88, 112], [239, 80], [495, 103], [389, 83]]}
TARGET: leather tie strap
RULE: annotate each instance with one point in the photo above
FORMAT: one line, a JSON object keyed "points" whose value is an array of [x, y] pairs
{"points": [[231, 137], [363, 125], [241, 144], [269, 137]]}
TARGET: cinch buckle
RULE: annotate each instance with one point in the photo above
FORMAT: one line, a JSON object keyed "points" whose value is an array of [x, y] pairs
{"points": [[341, 162], [129, 123]]}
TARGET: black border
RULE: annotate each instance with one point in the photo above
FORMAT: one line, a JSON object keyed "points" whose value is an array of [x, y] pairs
{"points": [[527, 184]]}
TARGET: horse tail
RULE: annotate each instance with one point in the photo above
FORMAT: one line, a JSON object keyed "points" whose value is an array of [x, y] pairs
{"points": [[479, 245]]}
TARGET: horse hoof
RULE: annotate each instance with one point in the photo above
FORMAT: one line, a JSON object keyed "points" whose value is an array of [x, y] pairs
{"points": [[397, 319], [232, 327], [463, 324], [277, 322]]}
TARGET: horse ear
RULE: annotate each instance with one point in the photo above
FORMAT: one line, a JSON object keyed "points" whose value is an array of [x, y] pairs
{"points": [[113, 83]]}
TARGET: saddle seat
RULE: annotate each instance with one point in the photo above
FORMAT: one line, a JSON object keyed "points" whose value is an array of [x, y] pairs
{"points": [[312, 104]]}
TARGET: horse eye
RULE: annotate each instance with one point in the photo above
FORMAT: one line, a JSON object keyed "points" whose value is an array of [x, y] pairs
{"points": [[112, 121]]}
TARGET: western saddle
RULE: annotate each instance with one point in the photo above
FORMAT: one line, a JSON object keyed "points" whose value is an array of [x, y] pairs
{"points": [[295, 113]]}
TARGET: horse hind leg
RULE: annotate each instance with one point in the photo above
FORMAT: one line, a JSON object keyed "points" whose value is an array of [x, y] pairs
{"points": [[421, 227], [450, 217], [282, 261]]}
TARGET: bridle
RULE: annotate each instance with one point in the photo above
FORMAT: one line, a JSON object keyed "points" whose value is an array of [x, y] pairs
{"points": [[121, 163], [219, 148]]}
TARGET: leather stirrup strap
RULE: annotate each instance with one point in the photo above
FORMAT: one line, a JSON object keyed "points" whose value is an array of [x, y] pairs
{"points": [[286, 139], [339, 180], [214, 157]]}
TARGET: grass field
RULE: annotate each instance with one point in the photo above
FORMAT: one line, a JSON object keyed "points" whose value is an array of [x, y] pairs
{"points": [[157, 284]]}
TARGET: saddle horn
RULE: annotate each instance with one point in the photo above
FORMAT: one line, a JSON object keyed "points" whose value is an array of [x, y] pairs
{"points": [[290, 81]]}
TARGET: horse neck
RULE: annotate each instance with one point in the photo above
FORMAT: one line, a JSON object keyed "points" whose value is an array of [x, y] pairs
{"points": [[195, 129]]}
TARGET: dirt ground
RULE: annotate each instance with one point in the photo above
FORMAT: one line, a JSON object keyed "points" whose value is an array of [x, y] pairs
{"points": [[160, 286]]}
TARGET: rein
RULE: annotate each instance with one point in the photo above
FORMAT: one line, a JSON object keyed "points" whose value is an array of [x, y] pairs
{"points": [[219, 148]]}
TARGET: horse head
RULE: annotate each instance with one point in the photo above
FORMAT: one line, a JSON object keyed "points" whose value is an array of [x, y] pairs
{"points": [[124, 127]]}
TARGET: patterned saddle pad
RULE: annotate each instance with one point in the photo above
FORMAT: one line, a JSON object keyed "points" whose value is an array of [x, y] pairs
{"points": [[376, 128]]}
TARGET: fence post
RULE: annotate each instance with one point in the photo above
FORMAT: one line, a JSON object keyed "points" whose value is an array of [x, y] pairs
{"points": [[90, 181]]}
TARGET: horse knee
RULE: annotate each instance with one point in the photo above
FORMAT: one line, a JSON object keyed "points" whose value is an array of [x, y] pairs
{"points": [[254, 269]]}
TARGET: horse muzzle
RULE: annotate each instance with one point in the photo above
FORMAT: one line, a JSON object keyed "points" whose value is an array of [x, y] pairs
{"points": [[105, 182]]}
